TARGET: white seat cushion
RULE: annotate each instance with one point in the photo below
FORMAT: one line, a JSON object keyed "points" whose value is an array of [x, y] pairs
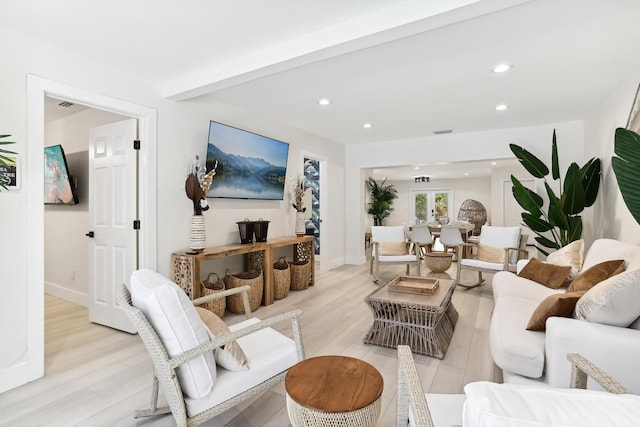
{"points": [[445, 409], [513, 348], [507, 284], [501, 405], [175, 320], [397, 258], [268, 353], [486, 265]]}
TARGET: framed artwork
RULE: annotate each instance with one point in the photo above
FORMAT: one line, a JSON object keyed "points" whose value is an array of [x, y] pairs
{"points": [[9, 177], [58, 188], [633, 122]]}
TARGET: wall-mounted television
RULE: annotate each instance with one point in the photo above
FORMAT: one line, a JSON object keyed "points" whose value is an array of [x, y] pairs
{"points": [[250, 166], [58, 185]]}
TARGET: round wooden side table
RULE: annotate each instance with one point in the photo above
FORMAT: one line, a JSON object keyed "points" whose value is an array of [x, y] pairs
{"points": [[333, 391]]}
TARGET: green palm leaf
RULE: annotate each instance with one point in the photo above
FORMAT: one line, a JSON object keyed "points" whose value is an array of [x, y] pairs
{"points": [[626, 167], [531, 163]]}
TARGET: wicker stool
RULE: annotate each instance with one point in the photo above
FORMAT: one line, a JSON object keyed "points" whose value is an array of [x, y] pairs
{"points": [[336, 391]]}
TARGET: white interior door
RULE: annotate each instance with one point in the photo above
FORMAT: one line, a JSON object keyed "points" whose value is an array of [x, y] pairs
{"points": [[112, 211]]}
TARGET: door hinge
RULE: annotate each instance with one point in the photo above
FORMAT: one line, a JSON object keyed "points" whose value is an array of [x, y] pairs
{"points": [[136, 224], [136, 144]]}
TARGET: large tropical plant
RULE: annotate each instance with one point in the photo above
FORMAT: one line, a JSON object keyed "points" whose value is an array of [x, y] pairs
{"points": [[382, 197], [4, 160], [561, 223], [627, 168]]}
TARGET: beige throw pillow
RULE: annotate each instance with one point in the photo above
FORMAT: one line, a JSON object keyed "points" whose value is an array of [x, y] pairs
{"points": [[612, 302], [550, 275], [559, 305], [490, 254], [571, 255], [229, 356], [596, 274], [392, 248]]}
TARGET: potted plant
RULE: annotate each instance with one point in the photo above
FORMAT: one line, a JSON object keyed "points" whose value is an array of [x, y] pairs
{"points": [[382, 197], [561, 223], [626, 167], [5, 161]]}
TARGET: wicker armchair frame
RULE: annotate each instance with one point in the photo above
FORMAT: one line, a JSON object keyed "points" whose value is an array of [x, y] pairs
{"points": [[164, 367], [411, 393]]}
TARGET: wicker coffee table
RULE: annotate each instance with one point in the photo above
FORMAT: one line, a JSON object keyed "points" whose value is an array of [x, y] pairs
{"points": [[333, 391], [423, 322]]}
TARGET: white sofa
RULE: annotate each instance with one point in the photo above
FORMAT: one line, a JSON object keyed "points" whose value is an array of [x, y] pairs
{"points": [[526, 356]]}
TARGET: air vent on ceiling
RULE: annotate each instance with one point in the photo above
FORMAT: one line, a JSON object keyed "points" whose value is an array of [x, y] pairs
{"points": [[440, 132], [66, 104]]}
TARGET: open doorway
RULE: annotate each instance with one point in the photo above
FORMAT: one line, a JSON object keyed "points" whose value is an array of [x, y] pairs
{"points": [[314, 168], [32, 364]]}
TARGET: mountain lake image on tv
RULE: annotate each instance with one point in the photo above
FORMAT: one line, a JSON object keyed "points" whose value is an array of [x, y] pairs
{"points": [[250, 166]]}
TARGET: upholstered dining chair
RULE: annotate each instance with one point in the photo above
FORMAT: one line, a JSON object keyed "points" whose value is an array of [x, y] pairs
{"points": [[421, 237], [250, 357], [498, 249], [450, 238], [390, 245], [486, 403]]}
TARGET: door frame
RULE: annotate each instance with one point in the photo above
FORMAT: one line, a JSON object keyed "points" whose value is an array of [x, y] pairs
{"points": [[37, 88]]}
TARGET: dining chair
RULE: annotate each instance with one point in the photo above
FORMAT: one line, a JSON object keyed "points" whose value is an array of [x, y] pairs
{"points": [[450, 238], [421, 237]]}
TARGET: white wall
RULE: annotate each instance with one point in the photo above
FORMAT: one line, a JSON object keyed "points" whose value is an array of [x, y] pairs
{"points": [[464, 188], [182, 132], [67, 271], [610, 216], [484, 145]]}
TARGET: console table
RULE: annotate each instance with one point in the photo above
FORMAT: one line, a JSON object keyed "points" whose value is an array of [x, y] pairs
{"points": [[185, 267]]}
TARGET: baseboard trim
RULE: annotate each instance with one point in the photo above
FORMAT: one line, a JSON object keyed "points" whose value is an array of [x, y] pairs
{"points": [[67, 294]]}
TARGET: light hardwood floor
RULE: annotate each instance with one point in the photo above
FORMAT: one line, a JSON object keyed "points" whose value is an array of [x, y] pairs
{"points": [[96, 376]]}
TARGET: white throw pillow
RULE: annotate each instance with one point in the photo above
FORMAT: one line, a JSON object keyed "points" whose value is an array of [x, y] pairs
{"points": [[175, 320], [614, 301], [501, 405], [571, 255]]}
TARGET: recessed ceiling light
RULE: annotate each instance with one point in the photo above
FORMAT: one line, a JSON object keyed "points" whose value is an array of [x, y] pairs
{"points": [[501, 107], [416, 168], [324, 101], [367, 125], [466, 174], [494, 163], [502, 68]]}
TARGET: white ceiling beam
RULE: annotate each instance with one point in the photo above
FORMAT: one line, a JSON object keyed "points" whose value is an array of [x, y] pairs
{"points": [[393, 22]]}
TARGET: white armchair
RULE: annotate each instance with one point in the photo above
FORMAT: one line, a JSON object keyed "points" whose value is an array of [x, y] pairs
{"points": [[498, 249], [485, 403], [198, 387], [390, 245]]}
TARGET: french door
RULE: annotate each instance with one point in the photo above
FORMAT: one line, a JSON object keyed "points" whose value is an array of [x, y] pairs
{"points": [[430, 205]]}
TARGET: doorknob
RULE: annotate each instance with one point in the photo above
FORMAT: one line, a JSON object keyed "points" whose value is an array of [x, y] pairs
{"points": [[90, 234]]}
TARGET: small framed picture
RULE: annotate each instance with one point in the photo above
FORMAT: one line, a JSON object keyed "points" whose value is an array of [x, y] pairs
{"points": [[9, 174]]}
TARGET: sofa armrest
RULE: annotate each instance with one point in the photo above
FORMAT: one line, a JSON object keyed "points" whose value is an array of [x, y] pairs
{"points": [[613, 349]]}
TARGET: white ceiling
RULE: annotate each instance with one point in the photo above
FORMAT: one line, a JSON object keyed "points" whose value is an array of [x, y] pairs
{"points": [[408, 67]]}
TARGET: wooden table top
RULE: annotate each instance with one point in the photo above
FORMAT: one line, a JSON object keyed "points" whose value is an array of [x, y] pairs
{"points": [[334, 383], [434, 300]]}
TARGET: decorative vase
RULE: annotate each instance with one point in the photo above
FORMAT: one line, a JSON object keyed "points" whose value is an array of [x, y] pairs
{"points": [[301, 229], [197, 237]]}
